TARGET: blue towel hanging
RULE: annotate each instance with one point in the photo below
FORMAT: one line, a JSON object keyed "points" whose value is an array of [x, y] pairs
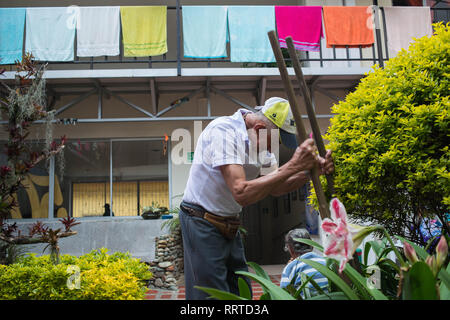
{"points": [[12, 24], [249, 26]]}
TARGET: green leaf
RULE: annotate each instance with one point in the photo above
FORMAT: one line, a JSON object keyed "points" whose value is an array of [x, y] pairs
{"points": [[361, 282], [258, 270], [219, 294], [265, 296], [330, 296], [304, 279], [419, 283], [390, 263], [311, 243], [367, 247], [276, 293], [291, 290], [316, 286], [421, 252], [444, 292], [244, 290], [332, 277], [444, 275], [384, 253], [376, 248]]}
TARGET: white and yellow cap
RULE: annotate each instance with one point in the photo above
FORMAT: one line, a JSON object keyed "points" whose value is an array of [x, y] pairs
{"points": [[279, 112]]}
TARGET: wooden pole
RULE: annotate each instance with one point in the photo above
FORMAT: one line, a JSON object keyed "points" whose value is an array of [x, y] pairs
{"points": [[309, 108], [301, 132]]}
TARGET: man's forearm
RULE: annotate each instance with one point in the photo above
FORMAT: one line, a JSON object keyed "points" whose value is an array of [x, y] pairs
{"points": [[286, 178], [294, 182], [249, 192]]}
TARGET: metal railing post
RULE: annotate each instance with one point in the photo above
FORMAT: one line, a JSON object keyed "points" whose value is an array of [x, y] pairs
{"points": [[51, 188], [378, 34], [178, 39]]}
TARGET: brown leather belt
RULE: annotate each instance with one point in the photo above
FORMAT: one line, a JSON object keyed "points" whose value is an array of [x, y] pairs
{"points": [[192, 212], [227, 226]]}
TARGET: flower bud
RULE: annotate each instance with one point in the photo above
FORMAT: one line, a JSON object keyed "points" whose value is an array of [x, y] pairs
{"points": [[441, 252], [410, 253], [431, 262]]}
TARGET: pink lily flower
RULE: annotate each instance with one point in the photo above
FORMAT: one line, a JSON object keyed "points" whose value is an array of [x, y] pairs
{"points": [[338, 243]]}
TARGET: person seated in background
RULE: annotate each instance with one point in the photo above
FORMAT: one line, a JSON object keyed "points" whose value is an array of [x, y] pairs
{"points": [[108, 211], [292, 272]]}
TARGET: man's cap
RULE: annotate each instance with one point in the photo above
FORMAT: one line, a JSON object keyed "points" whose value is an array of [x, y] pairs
{"points": [[279, 112]]}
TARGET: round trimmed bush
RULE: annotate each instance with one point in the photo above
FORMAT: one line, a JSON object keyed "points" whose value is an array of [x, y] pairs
{"points": [[391, 137]]}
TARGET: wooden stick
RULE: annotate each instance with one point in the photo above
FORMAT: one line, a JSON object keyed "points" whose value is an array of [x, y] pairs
{"points": [[301, 132], [309, 108]]}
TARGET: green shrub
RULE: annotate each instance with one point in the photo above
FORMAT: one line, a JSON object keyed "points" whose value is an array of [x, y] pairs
{"points": [[102, 277], [390, 138]]}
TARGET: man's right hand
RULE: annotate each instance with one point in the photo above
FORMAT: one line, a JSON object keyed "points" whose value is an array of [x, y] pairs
{"points": [[305, 156]]}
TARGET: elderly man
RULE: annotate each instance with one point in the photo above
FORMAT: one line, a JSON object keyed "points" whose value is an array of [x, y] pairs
{"points": [[224, 177], [293, 271]]}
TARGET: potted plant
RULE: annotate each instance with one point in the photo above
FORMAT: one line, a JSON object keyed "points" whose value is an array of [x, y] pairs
{"points": [[153, 212]]}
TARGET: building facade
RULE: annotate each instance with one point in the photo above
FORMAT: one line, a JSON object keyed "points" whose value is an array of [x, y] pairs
{"points": [[124, 118]]}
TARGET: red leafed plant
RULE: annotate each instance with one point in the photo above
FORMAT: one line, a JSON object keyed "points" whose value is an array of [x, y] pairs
{"points": [[68, 223]]}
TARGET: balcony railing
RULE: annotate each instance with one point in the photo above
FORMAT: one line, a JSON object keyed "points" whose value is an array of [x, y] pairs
{"points": [[378, 53]]}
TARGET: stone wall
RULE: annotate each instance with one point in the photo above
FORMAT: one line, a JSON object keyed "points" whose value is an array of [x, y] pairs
{"points": [[167, 268]]}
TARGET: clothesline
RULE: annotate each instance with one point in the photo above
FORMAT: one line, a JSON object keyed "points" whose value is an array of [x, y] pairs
{"points": [[50, 32]]}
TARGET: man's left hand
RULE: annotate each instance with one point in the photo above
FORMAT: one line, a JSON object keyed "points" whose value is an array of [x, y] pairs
{"points": [[326, 165]]}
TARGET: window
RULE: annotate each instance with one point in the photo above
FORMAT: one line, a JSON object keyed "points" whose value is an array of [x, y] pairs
{"points": [[140, 176], [33, 198], [82, 181], [85, 180]]}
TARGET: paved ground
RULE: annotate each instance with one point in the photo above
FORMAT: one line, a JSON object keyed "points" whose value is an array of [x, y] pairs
{"points": [[274, 272]]}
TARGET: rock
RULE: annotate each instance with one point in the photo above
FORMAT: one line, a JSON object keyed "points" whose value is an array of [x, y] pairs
{"points": [[170, 279], [164, 264], [159, 282], [158, 274], [170, 268]]}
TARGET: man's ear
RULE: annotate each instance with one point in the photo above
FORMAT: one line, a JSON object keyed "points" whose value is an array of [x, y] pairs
{"points": [[258, 126]]}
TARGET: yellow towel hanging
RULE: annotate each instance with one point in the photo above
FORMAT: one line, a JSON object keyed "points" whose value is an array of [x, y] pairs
{"points": [[144, 30]]}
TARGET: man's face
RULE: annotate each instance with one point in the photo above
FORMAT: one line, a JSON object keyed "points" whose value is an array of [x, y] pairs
{"points": [[263, 137]]}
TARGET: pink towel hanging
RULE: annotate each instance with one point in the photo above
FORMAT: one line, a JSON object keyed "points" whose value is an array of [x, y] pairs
{"points": [[303, 24]]}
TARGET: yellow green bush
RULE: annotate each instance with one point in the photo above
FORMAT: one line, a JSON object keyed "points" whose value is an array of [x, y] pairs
{"points": [[102, 276], [391, 137]]}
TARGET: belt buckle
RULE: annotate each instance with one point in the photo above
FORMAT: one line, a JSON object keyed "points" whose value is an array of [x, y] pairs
{"points": [[191, 211]]}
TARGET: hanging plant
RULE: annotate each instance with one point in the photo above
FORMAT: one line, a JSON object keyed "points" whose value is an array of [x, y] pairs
{"points": [[24, 104]]}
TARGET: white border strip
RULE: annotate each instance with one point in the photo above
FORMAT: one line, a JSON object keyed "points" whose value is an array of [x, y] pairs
{"points": [[102, 73], [271, 71], [187, 72]]}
